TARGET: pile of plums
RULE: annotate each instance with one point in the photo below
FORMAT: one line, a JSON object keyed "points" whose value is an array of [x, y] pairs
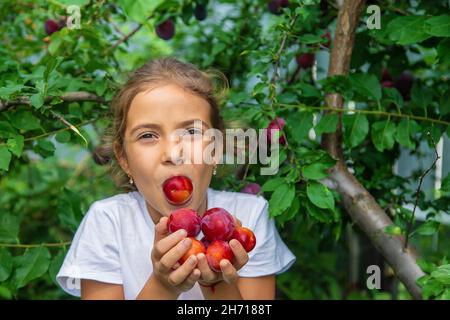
{"points": [[217, 224], [218, 227]]}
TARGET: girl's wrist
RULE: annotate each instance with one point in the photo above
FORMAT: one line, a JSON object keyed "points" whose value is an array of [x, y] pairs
{"points": [[209, 284], [166, 290]]}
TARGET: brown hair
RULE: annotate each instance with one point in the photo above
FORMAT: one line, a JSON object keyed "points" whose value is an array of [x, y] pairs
{"points": [[210, 85]]}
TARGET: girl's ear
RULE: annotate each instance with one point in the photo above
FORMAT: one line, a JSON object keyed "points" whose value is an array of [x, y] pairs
{"points": [[119, 153]]}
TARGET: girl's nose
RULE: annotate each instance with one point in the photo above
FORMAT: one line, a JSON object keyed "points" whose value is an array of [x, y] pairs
{"points": [[173, 152]]}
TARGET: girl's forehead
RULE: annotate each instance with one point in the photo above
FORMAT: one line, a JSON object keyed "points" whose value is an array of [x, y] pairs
{"points": [[167, 105]]}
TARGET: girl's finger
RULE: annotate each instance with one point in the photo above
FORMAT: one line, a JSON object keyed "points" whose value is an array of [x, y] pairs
{"points": [[229, 273], [240, 255], [207, 274], [161, 230], [164, 245], [170, 258], [182, 273], [191, 280]]}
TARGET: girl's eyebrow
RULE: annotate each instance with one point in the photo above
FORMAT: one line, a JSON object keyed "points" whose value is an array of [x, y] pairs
{"points": [[158, 127]]}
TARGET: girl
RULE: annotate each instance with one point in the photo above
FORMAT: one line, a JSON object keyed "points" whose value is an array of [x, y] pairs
{"points": [[122, 248]]}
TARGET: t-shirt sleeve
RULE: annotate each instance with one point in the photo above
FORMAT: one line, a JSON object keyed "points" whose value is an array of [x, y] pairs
{"points": [[270, 255], [94, 252]]}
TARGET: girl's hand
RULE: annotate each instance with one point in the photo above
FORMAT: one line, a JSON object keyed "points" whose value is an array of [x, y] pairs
{"points": [[229, 271], [167, 250]]}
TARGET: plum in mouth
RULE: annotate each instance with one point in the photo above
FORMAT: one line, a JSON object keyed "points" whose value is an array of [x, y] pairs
{"points": [[178, 190]]}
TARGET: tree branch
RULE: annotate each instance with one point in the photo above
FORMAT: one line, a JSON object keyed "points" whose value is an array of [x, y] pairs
{"points": [[128, 36], [357, 201], [76, 96], [422, 176]]}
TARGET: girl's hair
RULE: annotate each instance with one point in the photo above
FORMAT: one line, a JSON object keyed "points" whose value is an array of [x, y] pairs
{"points": [[210, 85]]}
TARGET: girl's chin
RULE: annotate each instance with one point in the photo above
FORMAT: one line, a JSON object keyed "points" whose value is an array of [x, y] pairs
{"points": [[172, 207]]}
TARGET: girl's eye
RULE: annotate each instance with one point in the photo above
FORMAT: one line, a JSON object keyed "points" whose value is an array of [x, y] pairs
{"points": [[147, 135], [193, 131]]}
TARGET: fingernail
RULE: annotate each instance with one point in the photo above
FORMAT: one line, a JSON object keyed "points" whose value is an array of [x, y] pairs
{"points": [[182, 232], [187, 242], [192, 260]]}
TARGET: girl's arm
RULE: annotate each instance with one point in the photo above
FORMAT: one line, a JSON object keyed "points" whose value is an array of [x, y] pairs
{"points": [[96, 290], [260, 288]]}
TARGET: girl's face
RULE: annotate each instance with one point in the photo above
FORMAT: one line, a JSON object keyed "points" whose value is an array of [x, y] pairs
{"points": [[152, 146]]}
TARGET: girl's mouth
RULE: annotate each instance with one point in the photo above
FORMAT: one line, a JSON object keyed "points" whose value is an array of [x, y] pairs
{"points": [[178, 190]]}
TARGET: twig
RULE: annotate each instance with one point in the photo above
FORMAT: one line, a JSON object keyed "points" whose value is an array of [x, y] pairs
{"points": [[76, 96], [129, 35], [372, 112], [422, 176], [272, 83], [55, 244]]}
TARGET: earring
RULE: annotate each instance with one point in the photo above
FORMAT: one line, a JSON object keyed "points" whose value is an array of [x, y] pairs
{"points": [[214, 170], [131, 180]]}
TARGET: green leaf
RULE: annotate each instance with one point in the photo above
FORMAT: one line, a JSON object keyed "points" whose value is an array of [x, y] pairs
{"points": [[218, 47], [69, 210], [444, 105], [327, 124], [25, 120], [321, 215], [442, 50], [320, 195], [291, 212], [426, 266], [407, 30], [139, 10], [56, 264], [7, 130], [45, 148], [6, 264], [5, 293], [445, 184], [37, 100], [366, 85], [50, 68], [393, 230], [300, 124], [382, 134], [5, 158], [428, 228], [281, 199], [391, 95], [308, 91], [63, 137], [9, 227], [445, 295], [405, 130], [421, 96], [272, 184], [315, 171], [55, 44], [356, 129], [438, 26], [442, 274], [31, 265], [15, 145], [432, 288], [9, 90], [310, 39]]}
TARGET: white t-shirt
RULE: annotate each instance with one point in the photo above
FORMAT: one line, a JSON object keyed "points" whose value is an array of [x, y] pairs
{"points": [[114, 241]]}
